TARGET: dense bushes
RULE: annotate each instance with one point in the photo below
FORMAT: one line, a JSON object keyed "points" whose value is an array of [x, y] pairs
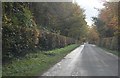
{"points": [[107, 26], [110, 43], [48, 41], [21, 34], [17, 41]]}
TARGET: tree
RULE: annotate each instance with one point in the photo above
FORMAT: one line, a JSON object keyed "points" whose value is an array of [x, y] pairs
{"points": [[67, 19], [107, 22], [19, 31], [93, 35]]}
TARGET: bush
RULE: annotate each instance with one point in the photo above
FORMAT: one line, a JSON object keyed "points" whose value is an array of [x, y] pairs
{"points": [[16, 41], [110, 43], [48, 41], [20, 33]]}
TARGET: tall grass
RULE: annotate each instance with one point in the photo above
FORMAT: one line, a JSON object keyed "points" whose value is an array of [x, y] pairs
{"points": [[36, 63]]}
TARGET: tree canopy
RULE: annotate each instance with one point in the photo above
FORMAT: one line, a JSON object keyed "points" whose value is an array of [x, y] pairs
{"points": [[67, 19], [40, 25], [107, 20]]}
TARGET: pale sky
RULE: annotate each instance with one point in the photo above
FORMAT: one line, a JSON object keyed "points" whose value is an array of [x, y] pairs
{"points": [[89, 7]]}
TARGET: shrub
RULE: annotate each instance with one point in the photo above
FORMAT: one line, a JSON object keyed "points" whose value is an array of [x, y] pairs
{"points": [[110, 43]]}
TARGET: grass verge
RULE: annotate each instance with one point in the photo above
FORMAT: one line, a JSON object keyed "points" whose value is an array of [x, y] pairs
{"points": [[34, 64], [111, 51]]}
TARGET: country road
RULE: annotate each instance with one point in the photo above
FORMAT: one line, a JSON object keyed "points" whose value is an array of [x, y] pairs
{"points": [[86, 60]]}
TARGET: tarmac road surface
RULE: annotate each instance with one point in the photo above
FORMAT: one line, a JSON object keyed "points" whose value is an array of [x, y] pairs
{"points": [[86, 60]]}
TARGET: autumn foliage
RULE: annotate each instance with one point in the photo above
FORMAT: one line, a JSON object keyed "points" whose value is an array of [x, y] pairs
{"points": [[28, 27], [107, 26]]}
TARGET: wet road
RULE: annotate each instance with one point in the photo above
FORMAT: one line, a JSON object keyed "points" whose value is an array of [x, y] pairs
{"points": [[86, 60]]}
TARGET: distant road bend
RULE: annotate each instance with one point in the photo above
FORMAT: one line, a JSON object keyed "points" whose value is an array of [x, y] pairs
{"points": [[86, 60]]}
